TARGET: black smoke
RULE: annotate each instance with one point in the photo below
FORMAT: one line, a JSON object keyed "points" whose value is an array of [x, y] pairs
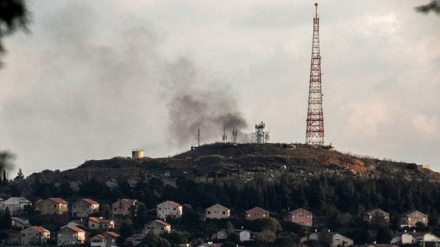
{"points": [[197, 103]]}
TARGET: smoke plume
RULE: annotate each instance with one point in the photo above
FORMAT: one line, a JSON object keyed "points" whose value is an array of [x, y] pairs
{"points": [[197, 103]]}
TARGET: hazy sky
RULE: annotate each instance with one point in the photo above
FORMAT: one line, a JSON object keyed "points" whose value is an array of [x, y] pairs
{"points": [[96, 79]]}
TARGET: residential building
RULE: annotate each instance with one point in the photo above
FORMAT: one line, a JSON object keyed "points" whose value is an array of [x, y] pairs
{"points": [[84, 207], [220, 235], [100, 223], [217, 211], [16, 205], [125, 207], [20, 223], [256, 213], [338, 240], [158, 227], [300, 216], [368, 215], [51, 206], [70, 235], [111, 238], [411, 238], [245, 235], [423, 238], [411, 218], [401, 238], [98, 241], [169, 209], [34, 235]]}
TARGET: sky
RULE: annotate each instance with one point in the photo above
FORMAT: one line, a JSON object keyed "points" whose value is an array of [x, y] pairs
{"points": [[96, 79]]}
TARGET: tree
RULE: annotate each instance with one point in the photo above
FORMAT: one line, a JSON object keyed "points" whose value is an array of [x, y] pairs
{"points": [[384, 235], [20, 175], [13, 16]]}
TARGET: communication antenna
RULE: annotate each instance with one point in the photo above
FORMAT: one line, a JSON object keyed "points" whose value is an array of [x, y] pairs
{"points": [[234, 135], [315, 115], [198, 137], [224, 136]]}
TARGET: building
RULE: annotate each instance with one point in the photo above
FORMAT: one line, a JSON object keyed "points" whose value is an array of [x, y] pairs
{"points": [[100, 223], [84, 207], [158, 227], [16, 205], [338, 240], [34, 235], [108, 239], [256, 213], [70, 235], [411, 218], [411, 238], [20, 223], [220, 235], [52, 206], [125, 207], [169, 209], [368, 215], [98, 241], [217, 211], [300, 216]]}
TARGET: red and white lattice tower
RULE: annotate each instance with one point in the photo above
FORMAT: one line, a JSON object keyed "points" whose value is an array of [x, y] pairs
{"points": [[315, 116]]}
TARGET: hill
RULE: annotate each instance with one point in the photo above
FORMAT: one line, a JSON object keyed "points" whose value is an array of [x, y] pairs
{"points": [[234, 163]]}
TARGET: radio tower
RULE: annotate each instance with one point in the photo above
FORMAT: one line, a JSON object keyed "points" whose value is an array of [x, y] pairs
{"points": [[315, 116]]}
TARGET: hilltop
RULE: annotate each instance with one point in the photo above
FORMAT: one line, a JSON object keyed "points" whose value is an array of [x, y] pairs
{"points": [[223, 162]]}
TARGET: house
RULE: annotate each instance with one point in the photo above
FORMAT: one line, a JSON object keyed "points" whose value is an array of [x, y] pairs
{"points": [[256, 213], [244, 235], [217, 211], [158, 227], [338, 240], [125, 207], [108, 239], [111, 238], [16, 204], [379, 245], [84, 207], [210, 244], [20, 223], [411, 218], [425, 237], [34, 235], [51, 206], [401, 238], [300, 216], [70, 235], [220, 235], [100, 223], [368, 215], [169, 209], [98, 241]]}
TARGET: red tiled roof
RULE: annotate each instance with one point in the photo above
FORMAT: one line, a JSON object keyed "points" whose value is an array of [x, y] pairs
{"points": [[257, 209], [99, 220], [300, 209], [76, 229], [175, 203], [99, 236], [114, 234], [162, 222], [58, 200], [89, 201], [41, 229], [131, 201], [376, 209]]}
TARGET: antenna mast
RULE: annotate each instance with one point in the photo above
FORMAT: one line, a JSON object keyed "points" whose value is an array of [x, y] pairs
{"points": [[315, 116]]}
